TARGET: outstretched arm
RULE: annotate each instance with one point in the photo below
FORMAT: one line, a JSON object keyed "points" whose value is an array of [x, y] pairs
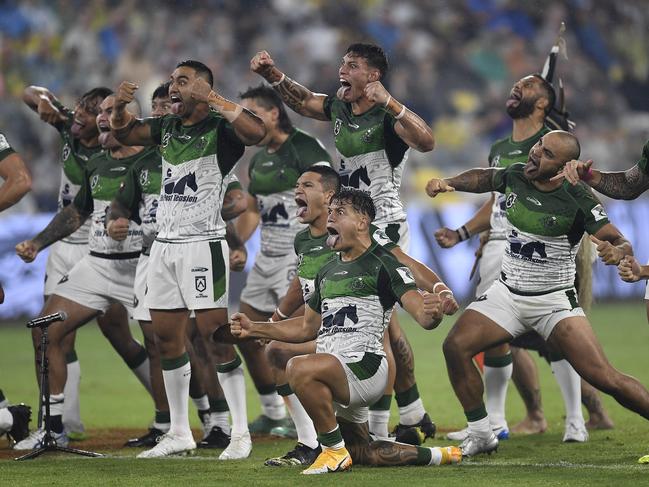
{"points": [[478, 223], [294, 330], [619, 185], [297, 97], [43, 102], [125, 127], [612, 247], [471, 181]]}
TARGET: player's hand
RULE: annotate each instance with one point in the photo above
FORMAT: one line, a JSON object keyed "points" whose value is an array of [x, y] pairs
{"points": [[447, 238], [436, 186], [629, 269], [125, 94], [607, 252], [376, 93], [238, 259], [201, 90], [449, 304], [262, 64], [432, 305], [48, 112], [27, 250], [118, 229], [573, 171], [240, 325]]}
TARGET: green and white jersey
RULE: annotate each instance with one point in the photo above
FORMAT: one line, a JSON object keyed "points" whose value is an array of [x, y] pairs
{"points": [[141, 189], [504, 153], [5, 149], [356, 299], [74, 158], [272, 181], [370, 156], [195, 160], [543, 231], [313, 253], [643, 162], [105, 179]]}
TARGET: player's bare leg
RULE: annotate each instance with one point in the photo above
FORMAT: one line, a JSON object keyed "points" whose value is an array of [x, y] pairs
{"points": [[472, 333], [273, 410], [526, 378], [598, 418], [411, 408], [381, 453], [576, 340]]}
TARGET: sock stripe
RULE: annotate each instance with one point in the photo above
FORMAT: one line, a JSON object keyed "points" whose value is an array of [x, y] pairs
{"points": [[382, 404], [424, 455], [139, 359], [266, 389], [408, 396], [229, 366], [284, 390], [174, 363], [502, 361], [332, 438], [218, 405], [162, 417], [476, 414], [71, 357]]}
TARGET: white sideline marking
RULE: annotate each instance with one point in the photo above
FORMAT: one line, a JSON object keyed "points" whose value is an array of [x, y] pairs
{"points": [[634, 466]]}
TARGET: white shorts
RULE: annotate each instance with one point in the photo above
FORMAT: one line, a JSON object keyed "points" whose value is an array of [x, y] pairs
{"points": [[363, 390], [140, 312], [191, 275], [62, 258], [519, 314], [97, 283], [490, 265], [398, 232], [268, 281]]}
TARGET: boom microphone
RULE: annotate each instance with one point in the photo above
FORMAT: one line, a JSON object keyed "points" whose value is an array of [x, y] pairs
{"points": [[47, 319]]}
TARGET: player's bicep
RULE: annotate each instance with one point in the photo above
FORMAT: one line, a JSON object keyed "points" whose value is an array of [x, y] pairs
{"points": [[314, 106], [312, 321]]}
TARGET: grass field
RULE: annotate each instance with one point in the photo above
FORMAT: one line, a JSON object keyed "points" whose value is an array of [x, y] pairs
{"points": [[114, 402]]}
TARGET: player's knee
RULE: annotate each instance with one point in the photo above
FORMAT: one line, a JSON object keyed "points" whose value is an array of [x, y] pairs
{"points": [[277, 355], [451, 347], [297, 371]]}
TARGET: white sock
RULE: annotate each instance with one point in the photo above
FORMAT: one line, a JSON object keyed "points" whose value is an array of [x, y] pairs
{"points": [[202, 403], [143, 374], [570, 385], [496, 382], [306, 433], [72, 410], [177, 387], [436, 456], [234, 390], [272, 405], [480, 428], [6, 421], [222, 420], [412, 413], [378, 422]]}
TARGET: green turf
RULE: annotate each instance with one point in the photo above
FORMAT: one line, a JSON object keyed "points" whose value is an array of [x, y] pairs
{"points": [[112, 398]]}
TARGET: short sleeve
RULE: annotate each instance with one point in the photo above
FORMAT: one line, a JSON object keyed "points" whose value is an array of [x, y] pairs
{"points": [[499, 179], [327, 104], [83, 200], [130, 192], [394, 280], [229, 147], [155, 124], [312, 152], [315, 303], [595, 214], [381, 238], [643, 162], [5, 149]]}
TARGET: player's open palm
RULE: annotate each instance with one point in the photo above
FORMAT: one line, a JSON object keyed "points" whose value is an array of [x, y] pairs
{"points": [[436, 186], [240, 325], [376, 93], [446, 238], [629, 269], [27, 250], [125, 94], [262, 63], [48, 112]]}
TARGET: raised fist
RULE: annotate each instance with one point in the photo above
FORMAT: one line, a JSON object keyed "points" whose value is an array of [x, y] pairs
{"points": [[125, 94], [240, 325], [436, 186], [27, 250], [48, 112], [201, 90], [262, 64], [376, 93], [432, 304], [447, 238]]}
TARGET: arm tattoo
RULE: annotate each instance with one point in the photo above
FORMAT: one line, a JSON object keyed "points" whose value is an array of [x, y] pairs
{"points": [[627, 185], [122, 133], [474, 180], [62, 225], [117, 210], [293, 94], [376, 453], [404, 360]]}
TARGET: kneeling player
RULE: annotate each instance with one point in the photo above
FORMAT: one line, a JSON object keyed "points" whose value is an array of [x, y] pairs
{"points": [[347, 315]]}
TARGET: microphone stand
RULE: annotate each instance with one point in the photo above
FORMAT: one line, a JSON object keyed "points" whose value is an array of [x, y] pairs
{"points": [[48, 442]]}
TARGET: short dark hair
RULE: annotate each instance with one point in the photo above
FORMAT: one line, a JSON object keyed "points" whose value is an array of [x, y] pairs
{"points": [[161, 91], [269, 99], [100, 93], [328, 176], [550, 94], [373, 54], [200, 68], [360, 200]]}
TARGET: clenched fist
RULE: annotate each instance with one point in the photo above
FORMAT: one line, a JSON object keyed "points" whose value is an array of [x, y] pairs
{"points": [[436, 186], [447, 238], [27, 250], [432, 305], [262, 64], [376, 93], [201, 91], [48, 112], [125, 94], [238, 259], [629, 269], [607, 252], [240, 325], [118, 229]]}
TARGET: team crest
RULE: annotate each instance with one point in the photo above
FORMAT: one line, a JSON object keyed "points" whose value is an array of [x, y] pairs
{"points": [[511, 199], [549, 221], [337, 124], [165, 139], [200, 283], [290, 275], [201, 144], [599, 213], [406, 275], [358, 284], [495, 162], [144, 177], [367, 136], [94, 181], [66, 152]]}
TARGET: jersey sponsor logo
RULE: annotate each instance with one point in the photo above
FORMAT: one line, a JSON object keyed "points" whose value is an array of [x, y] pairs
{"points": [[526, 251], [353, 126], [272, 215], [63, 279], [406, 275], [144, 177], [118, 168], [510, 200], [65, 153], [184, 137], [3, 142], [267, 164], [482, 298], [340, 273], [533, 200], [355, 178], [337, 319], [200, 283], [175, 190], [367, 136], [199, 269], [337, 124], [315, 249], [515, 152], [599, 213]]}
